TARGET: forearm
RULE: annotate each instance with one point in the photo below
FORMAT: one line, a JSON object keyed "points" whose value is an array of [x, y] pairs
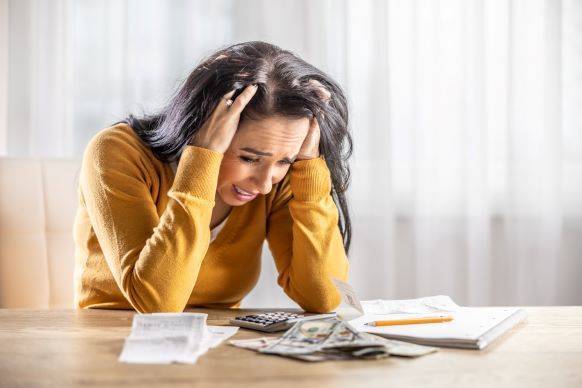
{"points": [[167, 267], [317, 253], [154, 260], [318, 256]]}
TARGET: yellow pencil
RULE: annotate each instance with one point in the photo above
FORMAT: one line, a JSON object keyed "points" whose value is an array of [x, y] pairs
{"points": [[412, 321]]}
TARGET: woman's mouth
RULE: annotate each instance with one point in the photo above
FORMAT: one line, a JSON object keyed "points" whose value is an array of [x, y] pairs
{"points": [[242, 195]]}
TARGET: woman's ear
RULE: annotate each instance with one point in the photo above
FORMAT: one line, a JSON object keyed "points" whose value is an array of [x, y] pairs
{"points": [[321, 91]]}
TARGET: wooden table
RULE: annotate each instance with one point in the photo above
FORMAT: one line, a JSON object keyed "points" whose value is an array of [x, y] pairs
{"points": [[60, 348]]}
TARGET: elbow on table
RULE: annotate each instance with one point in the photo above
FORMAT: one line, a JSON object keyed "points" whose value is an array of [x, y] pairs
{"points": [[322, 304], [313, 297], [153, 302]]}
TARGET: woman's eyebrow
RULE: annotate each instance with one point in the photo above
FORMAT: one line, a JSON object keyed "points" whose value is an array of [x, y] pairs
{"points": [[262, 153], [254, 151]]}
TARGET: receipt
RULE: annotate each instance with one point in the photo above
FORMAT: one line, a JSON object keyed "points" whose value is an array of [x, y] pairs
{"points": [[159, 350], [168, 324], [163, 338], [217, 334], [350, 307]]}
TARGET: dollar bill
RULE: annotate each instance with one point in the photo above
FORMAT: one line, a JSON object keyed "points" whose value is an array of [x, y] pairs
{"points": [[304, 337], [401, 348], [331, 340], [254, 343], [328, 339], [263, 342]]}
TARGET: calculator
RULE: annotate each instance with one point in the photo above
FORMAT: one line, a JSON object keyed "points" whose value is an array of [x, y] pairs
{"points": [[274, 321]]}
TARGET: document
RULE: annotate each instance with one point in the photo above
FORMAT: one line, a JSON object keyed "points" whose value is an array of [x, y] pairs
{"points": [[164, 338], [465, 327], [470, 328]]}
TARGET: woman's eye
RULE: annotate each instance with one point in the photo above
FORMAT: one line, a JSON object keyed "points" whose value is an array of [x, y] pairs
{"points": [[248, 160], [252, 161]]}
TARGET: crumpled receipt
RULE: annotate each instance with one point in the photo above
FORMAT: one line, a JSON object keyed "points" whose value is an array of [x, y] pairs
{"points": [[164, 338]]}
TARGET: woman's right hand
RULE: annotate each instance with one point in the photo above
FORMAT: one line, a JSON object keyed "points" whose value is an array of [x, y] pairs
{"points": [[217, 132]]}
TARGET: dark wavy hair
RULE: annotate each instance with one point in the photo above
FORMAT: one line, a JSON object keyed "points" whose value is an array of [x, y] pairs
{"points": [[288, 86]]}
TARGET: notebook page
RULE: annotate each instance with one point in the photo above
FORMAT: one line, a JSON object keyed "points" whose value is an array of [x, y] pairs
{"points": [[469, 323]]}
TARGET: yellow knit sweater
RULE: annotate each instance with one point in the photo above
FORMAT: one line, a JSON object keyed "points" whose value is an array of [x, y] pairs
{"points": [[142, 233]]}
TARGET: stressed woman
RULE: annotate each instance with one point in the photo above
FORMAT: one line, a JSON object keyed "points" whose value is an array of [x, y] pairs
{"points": [[175, 207]]}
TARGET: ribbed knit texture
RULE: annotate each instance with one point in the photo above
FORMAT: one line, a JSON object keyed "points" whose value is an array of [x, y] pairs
{"points": [[142, 233], [312, 180]]}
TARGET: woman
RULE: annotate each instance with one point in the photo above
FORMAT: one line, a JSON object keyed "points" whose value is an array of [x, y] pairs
{"points": [[175, 207]]}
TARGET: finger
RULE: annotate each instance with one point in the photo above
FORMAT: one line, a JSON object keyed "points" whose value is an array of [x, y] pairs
{"points": [[310, 147], [229, 95], [314, 129], [243, 99], [224, 104], [311, 133]]}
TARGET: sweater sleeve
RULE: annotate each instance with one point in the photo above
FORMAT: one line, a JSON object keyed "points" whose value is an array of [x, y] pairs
{"points": [[305, 239], [154, 259]]}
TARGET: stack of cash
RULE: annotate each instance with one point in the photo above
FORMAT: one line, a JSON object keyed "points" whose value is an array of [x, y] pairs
{"points": [[331, 339]]}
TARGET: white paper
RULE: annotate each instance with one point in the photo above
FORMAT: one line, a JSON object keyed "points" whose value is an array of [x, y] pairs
{"points": [[468, 323], [471, 327], [163, 338], [350, 307], [159, 350], [426, 305], [168, 324], [217, 334]]}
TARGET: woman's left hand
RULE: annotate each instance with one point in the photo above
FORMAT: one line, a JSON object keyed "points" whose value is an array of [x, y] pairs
{"points": [[310, 147]]}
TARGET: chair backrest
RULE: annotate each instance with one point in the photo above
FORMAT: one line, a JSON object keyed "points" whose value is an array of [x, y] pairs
{"points": [[38, 201]]}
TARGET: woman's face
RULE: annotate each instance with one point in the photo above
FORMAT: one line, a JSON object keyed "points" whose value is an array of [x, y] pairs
{"points": [[259, 156]]}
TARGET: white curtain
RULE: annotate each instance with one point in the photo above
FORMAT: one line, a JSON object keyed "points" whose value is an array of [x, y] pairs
{"points": [[467, 172]]}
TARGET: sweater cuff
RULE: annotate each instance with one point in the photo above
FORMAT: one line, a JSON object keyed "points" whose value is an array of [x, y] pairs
{"points": [[310, 179], [197, 173]]}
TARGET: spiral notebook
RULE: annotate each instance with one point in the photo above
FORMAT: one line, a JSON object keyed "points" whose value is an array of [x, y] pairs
{"points": [[471, 327]]}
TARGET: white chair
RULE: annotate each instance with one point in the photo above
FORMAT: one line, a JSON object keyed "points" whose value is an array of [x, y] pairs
{"points": [[38, 201]]}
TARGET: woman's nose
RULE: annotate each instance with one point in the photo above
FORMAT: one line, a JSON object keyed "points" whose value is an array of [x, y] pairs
{"points": [[264, 182]]}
